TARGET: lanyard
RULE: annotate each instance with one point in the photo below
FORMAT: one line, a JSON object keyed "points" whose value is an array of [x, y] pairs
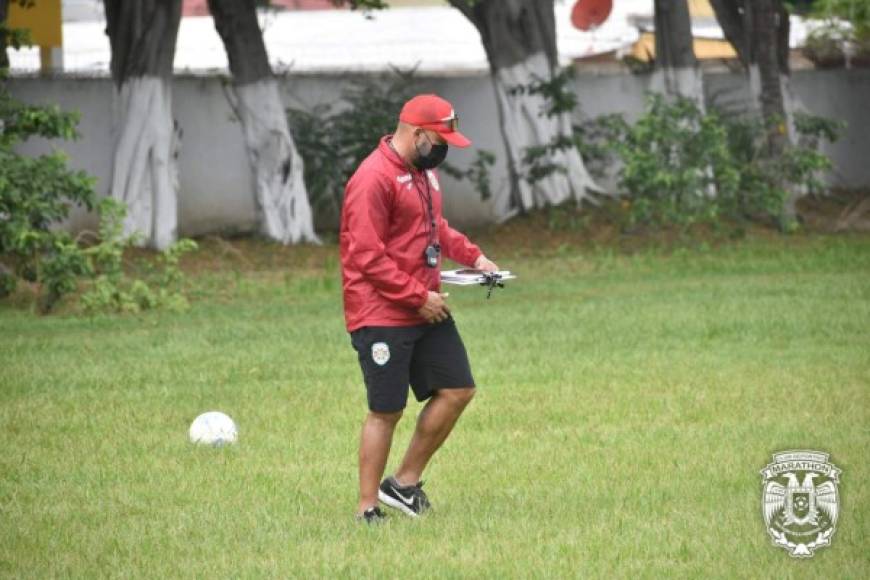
{"points": [[426, 199], [430, 215]]}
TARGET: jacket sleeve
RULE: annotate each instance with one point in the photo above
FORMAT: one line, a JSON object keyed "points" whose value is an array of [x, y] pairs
{"points": [[367, 222], [456, 246]]}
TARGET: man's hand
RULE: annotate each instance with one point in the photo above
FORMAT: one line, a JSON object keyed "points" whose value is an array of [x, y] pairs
{"points": [[483, 263], [435, 309]]}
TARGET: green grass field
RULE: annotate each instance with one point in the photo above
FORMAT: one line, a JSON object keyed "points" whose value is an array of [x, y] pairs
{"points": [[626, 405]]}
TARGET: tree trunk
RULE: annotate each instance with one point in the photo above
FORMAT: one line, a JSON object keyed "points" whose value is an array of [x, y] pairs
{"points": [[765, 32], [142, 35], [759, 32], [759, 35], [4, 13], [519, 37], [770, 26], [677, 71], [284, 212]]}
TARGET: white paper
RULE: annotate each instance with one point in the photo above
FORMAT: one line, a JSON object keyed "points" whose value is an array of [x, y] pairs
{"points": [[469, 276]]}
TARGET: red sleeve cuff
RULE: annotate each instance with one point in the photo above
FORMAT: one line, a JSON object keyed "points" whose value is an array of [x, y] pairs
{"points": [[475, 254]]}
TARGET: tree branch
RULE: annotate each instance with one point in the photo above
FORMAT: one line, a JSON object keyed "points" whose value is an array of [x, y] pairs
{"points": [[728, 13], [236, 24], [466, 7], [142, 36], [783, 29], [674, 43]]}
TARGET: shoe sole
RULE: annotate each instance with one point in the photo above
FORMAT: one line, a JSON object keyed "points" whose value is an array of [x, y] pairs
{"points": [[397, 504]]}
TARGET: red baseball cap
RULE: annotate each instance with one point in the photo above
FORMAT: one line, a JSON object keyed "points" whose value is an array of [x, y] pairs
{"points": [[434, 113]]}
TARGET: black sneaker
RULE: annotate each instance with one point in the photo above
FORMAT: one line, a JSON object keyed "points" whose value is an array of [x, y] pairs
{"points": [[410, 499], [373, 515]]}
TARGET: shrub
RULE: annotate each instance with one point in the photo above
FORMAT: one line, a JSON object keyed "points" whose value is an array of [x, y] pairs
{"points": [[681, 165], [36, 193], [111, 290], [334, 139], [676, 162], [766, 182]]}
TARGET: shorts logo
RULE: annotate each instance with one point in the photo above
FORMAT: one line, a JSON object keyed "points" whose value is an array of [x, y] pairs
{"points": [[799, 501], [380, 353]]}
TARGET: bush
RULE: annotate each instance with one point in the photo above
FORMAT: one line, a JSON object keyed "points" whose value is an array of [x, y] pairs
{"points": [[35, 195], [334, 139], [845, 26], [826, 45], [683, 166], [765, 181], [676, 163], [680, 165], [111, 290]]}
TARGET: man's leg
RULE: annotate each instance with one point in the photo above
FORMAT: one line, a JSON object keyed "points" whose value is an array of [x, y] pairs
{"points": [[374, 449], [433, 426]]}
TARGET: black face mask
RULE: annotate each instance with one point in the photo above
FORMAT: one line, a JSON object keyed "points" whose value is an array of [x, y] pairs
{"points": [[429, 155]]}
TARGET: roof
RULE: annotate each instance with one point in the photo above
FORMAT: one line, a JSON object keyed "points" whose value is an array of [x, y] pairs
{"points": [[434, 39], [200, 7]]}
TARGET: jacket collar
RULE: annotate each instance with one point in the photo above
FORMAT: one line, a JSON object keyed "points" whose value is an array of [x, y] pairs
{"points": [[394, 158]]}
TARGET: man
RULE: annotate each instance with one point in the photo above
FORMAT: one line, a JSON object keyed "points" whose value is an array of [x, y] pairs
{"points": [[392, 238]]}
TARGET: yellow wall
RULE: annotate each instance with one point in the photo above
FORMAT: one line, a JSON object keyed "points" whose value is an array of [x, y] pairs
{"points": [[42, 20], [701, 9], [705, 48]]}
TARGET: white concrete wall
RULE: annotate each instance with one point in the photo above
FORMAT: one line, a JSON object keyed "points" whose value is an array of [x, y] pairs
{"points": [[216, 189]]}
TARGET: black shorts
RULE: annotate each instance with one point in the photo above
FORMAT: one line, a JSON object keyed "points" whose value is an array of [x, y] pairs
{"points": [[429, 357]]}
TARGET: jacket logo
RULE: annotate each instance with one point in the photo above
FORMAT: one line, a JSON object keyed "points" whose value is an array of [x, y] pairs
{"points": [[433, 180], [404, 178]]}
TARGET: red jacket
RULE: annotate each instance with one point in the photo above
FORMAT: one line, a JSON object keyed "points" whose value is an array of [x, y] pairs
{"points": [[384, 234]]}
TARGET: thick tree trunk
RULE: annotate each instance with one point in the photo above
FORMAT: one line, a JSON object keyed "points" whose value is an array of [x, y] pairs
{"points": [[677, 71], [144, 168], [284, 212], [519, 37]]}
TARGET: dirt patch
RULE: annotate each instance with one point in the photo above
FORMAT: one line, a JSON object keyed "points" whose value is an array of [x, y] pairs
{"points": [[841, 211], [247, 254]]}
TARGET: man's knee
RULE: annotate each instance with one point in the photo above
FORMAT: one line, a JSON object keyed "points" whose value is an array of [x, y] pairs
{"points": [[458, 397], [389, 419]]}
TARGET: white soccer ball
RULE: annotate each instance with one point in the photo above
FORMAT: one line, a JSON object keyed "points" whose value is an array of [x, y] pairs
{"points": [[213, 428]]}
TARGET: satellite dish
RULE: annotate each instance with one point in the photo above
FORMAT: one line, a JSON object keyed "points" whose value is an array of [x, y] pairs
{"points": [[590, 14]]}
